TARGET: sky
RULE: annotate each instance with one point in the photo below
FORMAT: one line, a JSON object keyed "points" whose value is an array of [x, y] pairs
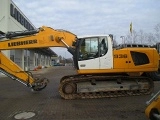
{"points": [[89, 17]]}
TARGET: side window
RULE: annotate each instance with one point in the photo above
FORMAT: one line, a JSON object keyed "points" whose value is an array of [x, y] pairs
{"points": [[103, 46], [88, 49]]}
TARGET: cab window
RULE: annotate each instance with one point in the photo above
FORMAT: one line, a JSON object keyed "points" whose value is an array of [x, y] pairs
{"points": [[91, 48], [103, 46]]}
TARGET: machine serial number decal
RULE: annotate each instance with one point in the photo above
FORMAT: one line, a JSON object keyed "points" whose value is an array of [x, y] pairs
{"points": [[120, 56], [22, 43]]}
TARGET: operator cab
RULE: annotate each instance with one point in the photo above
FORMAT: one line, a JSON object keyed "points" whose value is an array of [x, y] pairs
{"points": [[94, 52]]}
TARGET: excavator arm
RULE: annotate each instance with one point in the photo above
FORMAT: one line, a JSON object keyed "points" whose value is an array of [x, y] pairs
{"points": [[12, 70], [41, 38], [152, 110]]}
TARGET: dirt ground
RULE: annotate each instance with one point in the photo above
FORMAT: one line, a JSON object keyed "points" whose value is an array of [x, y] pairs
{"points": [[48, 105]]}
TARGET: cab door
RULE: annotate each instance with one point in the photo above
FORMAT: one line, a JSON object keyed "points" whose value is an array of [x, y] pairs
{"points": [[106, 53]]}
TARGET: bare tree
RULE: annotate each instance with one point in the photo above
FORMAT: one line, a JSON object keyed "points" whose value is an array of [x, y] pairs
{"points": [[128, 39], [131, 38], [157, 34], [151, 39], [115, 43], [134, 36], [141, 37]]}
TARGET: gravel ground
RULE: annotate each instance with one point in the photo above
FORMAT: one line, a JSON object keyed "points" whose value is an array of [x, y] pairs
{"points": [[48, 105]]}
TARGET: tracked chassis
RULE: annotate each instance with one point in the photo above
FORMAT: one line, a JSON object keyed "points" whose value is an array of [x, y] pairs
{"points": [[88, 86]]}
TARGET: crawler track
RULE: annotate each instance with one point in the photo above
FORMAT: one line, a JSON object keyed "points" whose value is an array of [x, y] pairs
{"points": [[71, 87]]}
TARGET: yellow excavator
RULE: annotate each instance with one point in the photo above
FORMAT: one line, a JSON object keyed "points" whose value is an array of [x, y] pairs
{"points": [[102, 71], [153, 107], [152, 110]]}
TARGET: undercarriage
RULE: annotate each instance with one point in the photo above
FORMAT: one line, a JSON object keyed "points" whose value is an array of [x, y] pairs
{"points": [[88, 86]]}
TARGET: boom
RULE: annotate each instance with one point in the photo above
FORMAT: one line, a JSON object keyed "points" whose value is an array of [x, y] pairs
{"points": [[41, 38]]}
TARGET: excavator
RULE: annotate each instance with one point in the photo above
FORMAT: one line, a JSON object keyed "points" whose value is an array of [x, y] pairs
{"points": [[152, 110], [102, 71]]}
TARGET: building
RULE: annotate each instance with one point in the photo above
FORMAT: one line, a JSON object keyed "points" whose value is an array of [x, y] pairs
{"points": [[13, 19]]}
